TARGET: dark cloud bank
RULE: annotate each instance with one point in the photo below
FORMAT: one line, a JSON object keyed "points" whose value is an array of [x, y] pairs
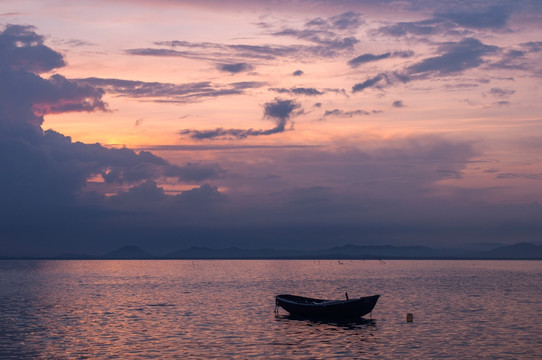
{"points": [[44, 174]]}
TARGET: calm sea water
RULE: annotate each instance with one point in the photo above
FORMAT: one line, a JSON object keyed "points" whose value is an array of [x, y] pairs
{"points": [[224, 309]]}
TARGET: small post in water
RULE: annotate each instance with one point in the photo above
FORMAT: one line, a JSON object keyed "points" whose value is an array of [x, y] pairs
{"points": [[409, 317]]}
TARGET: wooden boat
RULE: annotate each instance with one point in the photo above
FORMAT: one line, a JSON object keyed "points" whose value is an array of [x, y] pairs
{"points": [[330, 309]]}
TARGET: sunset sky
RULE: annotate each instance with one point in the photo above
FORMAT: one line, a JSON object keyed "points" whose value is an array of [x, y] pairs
{"points": [[286, 124]]}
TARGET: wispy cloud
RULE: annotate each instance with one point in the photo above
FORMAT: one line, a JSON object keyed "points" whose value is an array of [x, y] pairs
{"points": [[330, 35], [377, 81], [365, 58], [453, 58], [167, 92], [278, 110], [298, 91], [533, 46], [501, 93], [451, 22], [343, 113]]}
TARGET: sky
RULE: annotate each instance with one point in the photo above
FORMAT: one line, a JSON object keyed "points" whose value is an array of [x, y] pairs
{"points": [[279, 124]]}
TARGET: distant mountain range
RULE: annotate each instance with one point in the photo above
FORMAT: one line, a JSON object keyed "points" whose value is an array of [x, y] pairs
{"points": [[523, 251], [517, 251]]}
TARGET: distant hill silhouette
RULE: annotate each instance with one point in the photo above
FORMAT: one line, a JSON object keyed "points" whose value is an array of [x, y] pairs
{"points": [[516, 251], [128, 252], [520, 251], [389, 251], [525, 251], [197, 252]]}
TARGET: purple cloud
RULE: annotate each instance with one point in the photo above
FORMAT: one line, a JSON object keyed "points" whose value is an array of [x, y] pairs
{"points": [[235, 68], [298, 91], [342, 113], [375, 81], [167, 92], [455, 57], [44, 173], [494, 17], [278, 110], [23, 49], [365, 58], [501, 93], [451, 22]]}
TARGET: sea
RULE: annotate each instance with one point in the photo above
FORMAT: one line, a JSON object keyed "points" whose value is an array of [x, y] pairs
{"points": [[225, 309]]}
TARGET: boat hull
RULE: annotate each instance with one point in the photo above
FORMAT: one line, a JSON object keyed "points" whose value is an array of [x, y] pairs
{"points": [[330, 309]]}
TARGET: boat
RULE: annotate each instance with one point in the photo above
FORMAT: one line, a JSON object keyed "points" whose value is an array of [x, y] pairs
{"points": [[330, 309]]}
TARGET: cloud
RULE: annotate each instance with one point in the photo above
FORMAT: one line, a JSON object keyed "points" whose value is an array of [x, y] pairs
{"points": [[201, 196], [528, 176], [215, 52], [355, 62], [159, 52], [278, 110], [347, 182], [330, 35], [365, 58], [455, 58], [494, 17], [451, 22], [533, 46], [501, 93], [268, 52], [342, 113], [346, 21], [167, 92], [63, 95], [511, 60], [298, 91], [149, 198], [328, 42], [421, 28], [23, 49], [375, 81], [398, 104], [235, 68], [46, 176], [297, 73], [142, 195], [25, 96]]}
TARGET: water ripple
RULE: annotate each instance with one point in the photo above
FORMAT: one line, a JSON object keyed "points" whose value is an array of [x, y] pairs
{"points": [[210, 309]]}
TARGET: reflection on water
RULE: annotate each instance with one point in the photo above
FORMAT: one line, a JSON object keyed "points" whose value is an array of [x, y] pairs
{"points": [[210, 309]]}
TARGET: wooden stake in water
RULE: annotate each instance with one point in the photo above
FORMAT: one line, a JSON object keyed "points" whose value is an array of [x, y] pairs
{"points": [[409, 317]]}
